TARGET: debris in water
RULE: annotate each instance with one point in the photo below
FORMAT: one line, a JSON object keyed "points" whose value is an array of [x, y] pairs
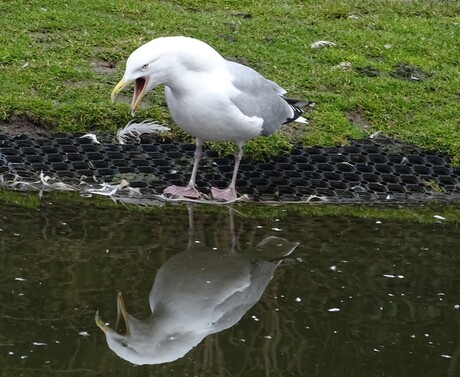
{"points": [[393, 276]]}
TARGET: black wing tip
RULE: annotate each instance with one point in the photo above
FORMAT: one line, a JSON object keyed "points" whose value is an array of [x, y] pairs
{"points": [[296, 105], [297, 113], [298, 102]]}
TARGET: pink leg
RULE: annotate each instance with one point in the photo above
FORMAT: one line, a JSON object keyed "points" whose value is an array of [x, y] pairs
{"points": [[229, 194], [189, 191]]}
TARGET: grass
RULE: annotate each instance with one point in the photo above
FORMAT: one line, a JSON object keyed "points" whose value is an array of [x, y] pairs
{"points": [[407, 214], [60, 60]]}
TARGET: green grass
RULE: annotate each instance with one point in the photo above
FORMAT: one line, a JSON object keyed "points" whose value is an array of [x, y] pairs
{"points": [[60, 60], [407, 214]]}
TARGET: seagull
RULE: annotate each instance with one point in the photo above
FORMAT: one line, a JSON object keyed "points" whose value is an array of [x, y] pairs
{"points": [[195, 293], [210, 98]]}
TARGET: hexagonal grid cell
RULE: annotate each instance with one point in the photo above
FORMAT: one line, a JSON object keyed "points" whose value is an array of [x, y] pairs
{"points": [[364, 170]]}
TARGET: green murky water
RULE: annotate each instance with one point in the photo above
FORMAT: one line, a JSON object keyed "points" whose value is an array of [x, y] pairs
{"points": [[347, 297]]}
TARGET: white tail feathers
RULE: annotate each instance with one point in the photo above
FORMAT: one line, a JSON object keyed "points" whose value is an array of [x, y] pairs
{"points": [[301, 120]]}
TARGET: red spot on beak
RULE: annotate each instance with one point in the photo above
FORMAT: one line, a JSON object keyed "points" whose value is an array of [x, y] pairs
{"points": [[139, 87], [139, 91]]}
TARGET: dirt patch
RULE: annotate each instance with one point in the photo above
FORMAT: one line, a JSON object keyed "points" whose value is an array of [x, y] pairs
{"points": [[102, 67], [228, 37], [357, 119], [368, 71], [409, 72], [401, 71], [43, 36], [243, 15], [78, 84], [295, 131], [18, 125]]}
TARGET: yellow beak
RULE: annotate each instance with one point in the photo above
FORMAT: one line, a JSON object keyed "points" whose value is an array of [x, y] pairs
{"points": [[100, 323], [118, 89], [122, 326], [139, 91]]}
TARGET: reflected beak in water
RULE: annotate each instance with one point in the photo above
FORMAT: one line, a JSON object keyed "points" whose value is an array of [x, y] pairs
{"points": [[100, 323], [122, 326], [139, 91]]}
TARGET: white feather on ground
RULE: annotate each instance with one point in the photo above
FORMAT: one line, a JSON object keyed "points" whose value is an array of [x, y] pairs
{"points": [[319, 44], [133, 130]]}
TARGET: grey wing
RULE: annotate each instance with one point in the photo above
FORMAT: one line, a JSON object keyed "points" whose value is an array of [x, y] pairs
{"points": [[262, 98], [278, 89]]}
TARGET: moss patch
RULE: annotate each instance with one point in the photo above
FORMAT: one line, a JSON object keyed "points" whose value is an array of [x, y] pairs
{"points": [[427, 214]]}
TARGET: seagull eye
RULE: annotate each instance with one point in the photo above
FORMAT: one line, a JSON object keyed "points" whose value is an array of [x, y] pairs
{"points": [[124, 343], [144, 67]]}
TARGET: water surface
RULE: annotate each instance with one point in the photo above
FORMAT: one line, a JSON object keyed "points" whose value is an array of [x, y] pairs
{"points": [[284, 296]]}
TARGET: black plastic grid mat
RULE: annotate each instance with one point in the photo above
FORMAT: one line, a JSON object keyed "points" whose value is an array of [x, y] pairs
{"points": [[365, 170]]}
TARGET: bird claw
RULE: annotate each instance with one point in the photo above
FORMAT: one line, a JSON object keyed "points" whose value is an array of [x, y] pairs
{"points": [[187, 191]]}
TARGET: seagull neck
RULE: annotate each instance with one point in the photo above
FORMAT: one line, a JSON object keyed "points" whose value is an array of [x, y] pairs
{"points": [[186, 82]]}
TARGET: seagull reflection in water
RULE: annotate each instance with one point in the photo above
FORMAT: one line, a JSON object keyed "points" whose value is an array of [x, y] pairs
{"points": [[197, 292]]}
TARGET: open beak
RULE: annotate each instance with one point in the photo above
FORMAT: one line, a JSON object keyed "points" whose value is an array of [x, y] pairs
{"points": [[100, 323], [139, 91], [122, 326]]}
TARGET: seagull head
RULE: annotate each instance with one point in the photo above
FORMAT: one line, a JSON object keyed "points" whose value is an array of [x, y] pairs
{"points": [[119, 339], [130, 337], [147, 67], [164, 60], [145, 341]]}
